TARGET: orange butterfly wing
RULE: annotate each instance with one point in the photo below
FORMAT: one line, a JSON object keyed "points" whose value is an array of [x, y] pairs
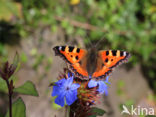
{"points": [[74, 57], [107, 60]]}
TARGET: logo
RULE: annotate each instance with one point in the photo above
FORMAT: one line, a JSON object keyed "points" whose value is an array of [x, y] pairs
{"points": [[137, 111]]}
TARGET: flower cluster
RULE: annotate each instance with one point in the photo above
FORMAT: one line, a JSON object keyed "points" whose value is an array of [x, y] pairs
{"points": [[70, 89]]}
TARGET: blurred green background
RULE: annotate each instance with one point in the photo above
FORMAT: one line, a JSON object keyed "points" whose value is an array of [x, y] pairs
{"points": [[121, 24]]}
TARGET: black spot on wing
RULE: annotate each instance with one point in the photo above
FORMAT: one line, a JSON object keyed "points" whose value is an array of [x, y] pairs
{"points": [[63, 48], [107, 53], [125, 59], [78, 50], [71, 49], [114, 52], [106, 60], [77, 57], [58, 53], [121, 53]]}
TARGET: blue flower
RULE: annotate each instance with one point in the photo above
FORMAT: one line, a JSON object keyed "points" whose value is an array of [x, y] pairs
{"points": [[107, 78], [65, 89], [102, 86]]}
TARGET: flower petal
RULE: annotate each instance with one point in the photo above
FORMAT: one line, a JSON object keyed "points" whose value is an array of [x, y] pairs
{"points": [[55, 91], [69, 81], [60, 98], [58, 86], [60, 101], [60, 82], [69, 74], [102, 87], [74, 86], [106, 92], [92, 83], [71, 96], [107, 78]]}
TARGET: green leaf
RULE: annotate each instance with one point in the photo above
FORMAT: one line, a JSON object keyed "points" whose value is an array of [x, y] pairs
{"points": [[3, 86], [92, 116], [28, 88], [97, 111], [18, 109]]}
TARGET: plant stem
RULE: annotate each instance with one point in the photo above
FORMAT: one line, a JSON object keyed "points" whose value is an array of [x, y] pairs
{"points": [[10, 98], [67, 111]]}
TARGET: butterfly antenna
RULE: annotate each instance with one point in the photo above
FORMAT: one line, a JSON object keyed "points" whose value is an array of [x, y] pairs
{"points": [[87, 38], [101, 39]]}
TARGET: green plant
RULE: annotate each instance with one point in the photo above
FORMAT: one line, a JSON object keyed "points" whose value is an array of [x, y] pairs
{"points": [[7, 85]]}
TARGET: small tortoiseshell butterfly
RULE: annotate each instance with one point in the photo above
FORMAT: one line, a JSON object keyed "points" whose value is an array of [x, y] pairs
{"points": [[91, 64]]}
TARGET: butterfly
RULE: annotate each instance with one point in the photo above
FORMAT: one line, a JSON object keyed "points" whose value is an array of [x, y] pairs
{"points": [[92, 63]]}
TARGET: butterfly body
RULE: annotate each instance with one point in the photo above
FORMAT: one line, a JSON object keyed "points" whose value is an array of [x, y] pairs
{"points": [[91, 64], [91, 61]]}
